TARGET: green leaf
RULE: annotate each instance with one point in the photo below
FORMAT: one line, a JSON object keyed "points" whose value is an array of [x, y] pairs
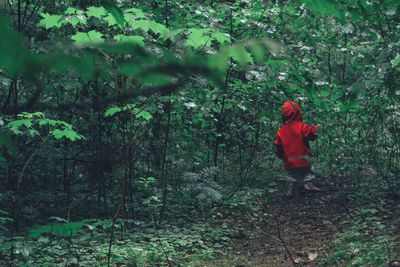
{"points": [[50, 21], [325, 91], [66, 133], [88, 39], [141, 24], [315, 98], [240, 54], [159, 29], [15, 126], [44, 122], [132, 15], [73, 11], [219, 61], [72, 135], [197, 38], [97, 12], [137, 13], [112, 111], [142, 114], [27, 115], [292, 87], [131, 39], [32, 132], [149, 25], [221, 37], [326, 7], [76, 19], [228, 106], [119, 17], [257, 51], [114, 11], [111, 21], [396, 61], [58, 134]]}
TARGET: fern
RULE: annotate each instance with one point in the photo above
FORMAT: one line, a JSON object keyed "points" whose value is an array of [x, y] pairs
{"points": [[201, 186]]}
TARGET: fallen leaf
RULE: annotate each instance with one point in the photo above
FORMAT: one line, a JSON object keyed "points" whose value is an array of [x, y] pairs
{"points": [[312, 256]]}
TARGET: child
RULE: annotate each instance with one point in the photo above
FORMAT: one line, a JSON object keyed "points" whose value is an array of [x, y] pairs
{"points": [[291, 145]]}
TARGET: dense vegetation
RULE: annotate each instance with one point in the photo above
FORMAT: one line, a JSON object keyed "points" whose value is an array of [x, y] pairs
{"points": [[139, 133]]}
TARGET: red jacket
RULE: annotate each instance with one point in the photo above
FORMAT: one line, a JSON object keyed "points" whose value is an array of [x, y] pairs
{"points": [[291, 143]]}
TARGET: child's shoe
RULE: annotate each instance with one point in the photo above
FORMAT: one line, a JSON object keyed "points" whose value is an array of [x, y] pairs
{"points": [[309, 186]]}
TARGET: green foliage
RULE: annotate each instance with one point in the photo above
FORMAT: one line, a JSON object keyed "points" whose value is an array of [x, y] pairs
{"points": [[115, 11], [396, 61], [241, 55], [140, 245], [50, 21], [221, 69], [97, 12], [201, 187], [367, 242], [130, 108], [355, 249], [87, 39], [67, 133], [326, 7], [131, 39], [31, 124], [5, 220], [202, 38], [151, 26], [65, 229], [151, 200], [88, 64]]}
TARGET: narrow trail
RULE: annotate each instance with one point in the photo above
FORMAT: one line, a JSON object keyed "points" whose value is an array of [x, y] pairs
{"points": [[291, 232], [301, 228]]}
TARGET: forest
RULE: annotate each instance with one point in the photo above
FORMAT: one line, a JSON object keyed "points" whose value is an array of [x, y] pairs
{"points": [[147, 133]]}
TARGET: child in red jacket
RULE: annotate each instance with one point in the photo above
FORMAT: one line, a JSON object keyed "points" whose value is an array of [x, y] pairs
{"points": [[291, 145]]}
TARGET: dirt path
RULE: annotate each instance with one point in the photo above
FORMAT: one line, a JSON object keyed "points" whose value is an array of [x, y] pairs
{"points": [[298, 230]]}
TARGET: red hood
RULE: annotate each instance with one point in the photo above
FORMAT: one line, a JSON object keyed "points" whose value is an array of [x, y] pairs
{"points": [[291, 112]]}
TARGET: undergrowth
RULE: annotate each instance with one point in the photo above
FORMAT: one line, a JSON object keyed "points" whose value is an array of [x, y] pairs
{"points": [[85, 243]]}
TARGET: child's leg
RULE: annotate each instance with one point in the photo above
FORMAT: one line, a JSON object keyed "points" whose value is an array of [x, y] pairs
{"points": [[307, 180], [291, 180]]}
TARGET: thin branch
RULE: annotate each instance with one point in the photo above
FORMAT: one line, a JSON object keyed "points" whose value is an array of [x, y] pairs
{"points": [[30, 159], [282, 239], [38, 3], [12, 12], [25, 13]]}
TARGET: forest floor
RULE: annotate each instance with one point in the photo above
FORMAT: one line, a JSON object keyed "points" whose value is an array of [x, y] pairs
{"points": [[288, 231], [296, 232], [255, 227]]}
